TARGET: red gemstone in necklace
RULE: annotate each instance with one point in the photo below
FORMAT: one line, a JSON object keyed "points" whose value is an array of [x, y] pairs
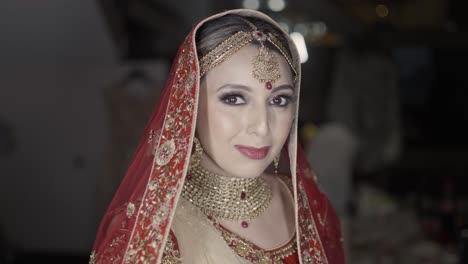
{"points": [[243, 195], [244, 224], [268, 85]]}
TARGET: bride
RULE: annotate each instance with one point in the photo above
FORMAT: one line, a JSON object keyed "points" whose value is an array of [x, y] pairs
{"points": [[218, 176]]}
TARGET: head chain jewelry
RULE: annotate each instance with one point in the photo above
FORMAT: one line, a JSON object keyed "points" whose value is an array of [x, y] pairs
{"points": [[265, 65]]}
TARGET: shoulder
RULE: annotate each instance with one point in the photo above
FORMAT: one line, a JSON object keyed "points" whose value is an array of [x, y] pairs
{"points": [[171, 250]]}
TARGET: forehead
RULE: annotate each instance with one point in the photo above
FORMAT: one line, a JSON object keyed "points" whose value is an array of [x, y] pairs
{"points": [[239, 69]]}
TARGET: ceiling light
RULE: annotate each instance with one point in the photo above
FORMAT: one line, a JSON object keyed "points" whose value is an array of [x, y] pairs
{"points": [[251, 4], [276, 5]]}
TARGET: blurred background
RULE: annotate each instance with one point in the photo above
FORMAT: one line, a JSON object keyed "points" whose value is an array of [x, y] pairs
{"points": [[383, 116]]}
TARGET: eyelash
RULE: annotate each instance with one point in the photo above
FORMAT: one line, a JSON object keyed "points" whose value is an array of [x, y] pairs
{"points": [[288, 99], [235, 96], [227, 96]]}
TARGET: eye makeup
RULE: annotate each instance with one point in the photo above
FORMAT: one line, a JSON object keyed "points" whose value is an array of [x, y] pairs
{"points": [[235, 95], [232, 98], [281, 100]]}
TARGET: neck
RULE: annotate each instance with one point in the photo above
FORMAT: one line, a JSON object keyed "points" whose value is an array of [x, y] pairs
{"points": [[209, 164]]}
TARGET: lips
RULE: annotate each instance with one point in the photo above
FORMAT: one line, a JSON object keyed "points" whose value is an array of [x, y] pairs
{"points": [[253, 153]]}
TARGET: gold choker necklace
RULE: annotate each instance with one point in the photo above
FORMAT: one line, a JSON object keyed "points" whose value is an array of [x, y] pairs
{"points": [[228, 198]]}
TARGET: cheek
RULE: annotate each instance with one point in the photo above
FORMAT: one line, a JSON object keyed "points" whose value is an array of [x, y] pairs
{"points": [[283, 124], [202, 117], [225, 121], [217, 123]]}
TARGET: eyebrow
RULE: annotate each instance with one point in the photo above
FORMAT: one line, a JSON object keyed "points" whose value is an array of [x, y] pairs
{"points": [[246, 88], [282, 87], [235, 86]]}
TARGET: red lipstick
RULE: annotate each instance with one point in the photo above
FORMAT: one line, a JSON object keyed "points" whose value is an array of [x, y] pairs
{"points": [[253, 153]]}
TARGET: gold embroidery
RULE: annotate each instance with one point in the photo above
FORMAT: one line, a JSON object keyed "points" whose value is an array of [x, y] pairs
{"points": [[242, 248], [169, 260], [151, 135], [153, 185], [169, 123], [307, 258], [147, 235], [266, 260], [160, 215], [92, 257], [130, 209], [323, 222], [153, 141], [190, 81], [171, 254], [165, 152], [252, 253], [310, 239]]}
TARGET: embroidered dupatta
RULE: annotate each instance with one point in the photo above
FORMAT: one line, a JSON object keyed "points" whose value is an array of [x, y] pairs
{"points": [[137, 223]]}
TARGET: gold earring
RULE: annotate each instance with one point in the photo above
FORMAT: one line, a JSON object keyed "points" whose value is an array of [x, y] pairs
{"points": [[196, 155], [276, 163]]}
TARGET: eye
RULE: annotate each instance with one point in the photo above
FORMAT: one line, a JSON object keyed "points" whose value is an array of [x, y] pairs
{"points": [[281, 100], [233, 99]]}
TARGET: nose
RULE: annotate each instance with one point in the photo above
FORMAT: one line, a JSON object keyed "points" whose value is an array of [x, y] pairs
{"points": [[258, 121]]}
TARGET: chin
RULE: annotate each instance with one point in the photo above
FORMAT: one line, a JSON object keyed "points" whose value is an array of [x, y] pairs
{"points": [[248, 171]]}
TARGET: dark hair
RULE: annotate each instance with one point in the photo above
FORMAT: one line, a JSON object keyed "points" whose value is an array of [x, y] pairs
{"points": [[213, 32]]}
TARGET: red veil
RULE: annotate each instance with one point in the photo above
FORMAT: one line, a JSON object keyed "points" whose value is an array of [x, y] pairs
{"points": [[136, 225]]}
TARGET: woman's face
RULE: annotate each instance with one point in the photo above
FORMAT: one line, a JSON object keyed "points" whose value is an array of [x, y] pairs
{"points": [[242, 125]]}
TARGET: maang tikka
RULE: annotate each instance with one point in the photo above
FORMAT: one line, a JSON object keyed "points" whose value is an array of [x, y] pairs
{"points": [[265, 65]]}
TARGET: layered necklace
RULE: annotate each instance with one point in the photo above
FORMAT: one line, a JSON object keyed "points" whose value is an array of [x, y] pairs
{"points": [[227, 198]]}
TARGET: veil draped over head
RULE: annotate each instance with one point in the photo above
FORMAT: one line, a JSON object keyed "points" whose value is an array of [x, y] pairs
{"points": [[136, 226]]}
